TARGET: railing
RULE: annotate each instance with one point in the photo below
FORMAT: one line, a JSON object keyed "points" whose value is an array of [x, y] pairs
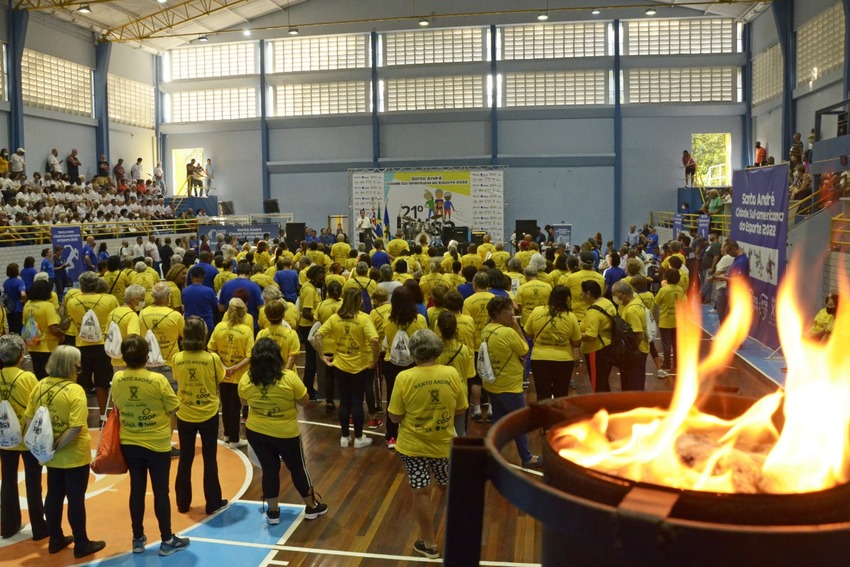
{"points": [[23, 235], [839, 234], [721, 223]]}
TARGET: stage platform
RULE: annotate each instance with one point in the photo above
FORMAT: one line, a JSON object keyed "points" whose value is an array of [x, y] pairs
{"points": [[209, 204]]}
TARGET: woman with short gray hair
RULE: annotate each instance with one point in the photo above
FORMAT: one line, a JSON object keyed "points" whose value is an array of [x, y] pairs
{"points": [[424, 401]]}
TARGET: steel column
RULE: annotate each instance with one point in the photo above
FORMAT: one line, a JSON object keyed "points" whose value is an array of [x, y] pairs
{"points": [[618, 138], [17, 33], [783, 13], [102, 52], [264, 125]]}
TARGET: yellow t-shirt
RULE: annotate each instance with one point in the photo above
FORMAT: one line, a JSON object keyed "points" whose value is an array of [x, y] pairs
{"points": [[147, 281], [68, 408], [823, 322], [635, 315], [286, 339], [553, 336], [390, 330], [146, 401], [666, 299], [453, 280], [531, 295], [596, 324], [465, 329], [458, 356], [428, 398], [339, 252], [198, 374], [101, 303], [573, 281], [665, 265], [128, 323], [471, 260], [401, 278], [167, 326], [505, 347], [66, 302], [352, 339], [334, 278], [500, 258], [485, 248], [396, 245], [476, 307], [290, 316], [232, 344], [175, 300], [327, 308], [272, 409], [379, 316], [427, 283], [318, 257], [263, 259], [118, 283], [45, 315], [308, 299], [222, 278], [361, 283], [524, 257], [16, 385], [264, 281], [433, 315]]}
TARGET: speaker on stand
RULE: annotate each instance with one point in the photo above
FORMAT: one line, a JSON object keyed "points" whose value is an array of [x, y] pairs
{"points": [[270, 206], [295, 233]]}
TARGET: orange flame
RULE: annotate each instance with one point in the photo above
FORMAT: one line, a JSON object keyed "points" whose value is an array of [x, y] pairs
{"points": [[682, 447]]}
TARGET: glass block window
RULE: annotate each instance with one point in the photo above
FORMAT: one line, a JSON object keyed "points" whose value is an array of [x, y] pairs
{"points": [[462, 45], [435, 93], [767, 75], [4, 95], [554, 41], [555, 88], [696, 84], [680, 37], [322, 98], [56, 84], [820, 45], [322, 53], [216, 104], [130, 102], [221, 60]]}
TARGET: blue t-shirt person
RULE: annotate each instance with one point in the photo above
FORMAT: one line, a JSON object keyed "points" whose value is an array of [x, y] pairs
{"points": [[28, 275], [89, 255], [255, 297], [14, 288], [287, 281], [47, 266], [201, 301], [379, 258]]}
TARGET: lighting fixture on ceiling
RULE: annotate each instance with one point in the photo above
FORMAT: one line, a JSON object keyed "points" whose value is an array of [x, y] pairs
{"points": [[424, 22], [203, 38], [651, 11], [596, 11], [84, 9], [162, 1], [246, 33], [543, 16], [293, 31]]}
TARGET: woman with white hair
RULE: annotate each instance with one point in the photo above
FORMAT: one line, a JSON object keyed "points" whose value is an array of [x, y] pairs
{"points": [[424, 402]]}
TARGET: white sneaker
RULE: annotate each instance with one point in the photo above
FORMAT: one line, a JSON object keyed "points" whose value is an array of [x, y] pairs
{"points": [[345, 442], [661, 373], [239, 444], [362, 441], [712, 311]]}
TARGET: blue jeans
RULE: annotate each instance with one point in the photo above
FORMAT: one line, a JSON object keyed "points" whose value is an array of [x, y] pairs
{"points": [[502, 405]]}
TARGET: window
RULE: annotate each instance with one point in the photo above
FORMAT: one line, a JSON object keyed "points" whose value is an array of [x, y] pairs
{"points": [[217, 104], [554, 41], [711, 152], [130, 102], [820, 45], [324, 53], [322, 98], [462, 45], [435, 93], [694, 84], [223, 60], [680, 37], [555, 88], [767, 75], [3, 94], [56, 84]]}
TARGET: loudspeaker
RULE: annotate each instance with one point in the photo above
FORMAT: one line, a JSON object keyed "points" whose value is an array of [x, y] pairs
{"points": [[226, 207], [524, 227], [295, 233], [462, 234], [478, 237], [271, 206]]}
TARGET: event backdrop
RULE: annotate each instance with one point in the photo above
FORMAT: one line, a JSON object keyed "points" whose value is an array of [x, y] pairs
{"points": [[422, 200], [244, 231], [759, 224], [70, 238]]}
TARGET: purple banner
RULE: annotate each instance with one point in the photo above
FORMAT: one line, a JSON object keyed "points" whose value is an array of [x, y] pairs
{"points": [[70, 238], [759, 224]]}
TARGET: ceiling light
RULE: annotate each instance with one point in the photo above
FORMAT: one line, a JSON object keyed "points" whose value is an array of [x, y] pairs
{"points": [[84, 9], [246, 33], [651, 12], [596, 11], [203, 38], [162, 1], [293, 31], [424, 22], [543, 16]]}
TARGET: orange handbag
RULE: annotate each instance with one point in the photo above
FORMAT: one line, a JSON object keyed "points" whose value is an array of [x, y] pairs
{"points": [[110, 458]]}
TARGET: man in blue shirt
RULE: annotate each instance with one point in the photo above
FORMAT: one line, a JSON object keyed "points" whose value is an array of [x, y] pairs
{"points": [[287, 280], [210, 271], [379, 258], [255, 294], [89, 255], [200, 300], [652, 242], [47, 265]]}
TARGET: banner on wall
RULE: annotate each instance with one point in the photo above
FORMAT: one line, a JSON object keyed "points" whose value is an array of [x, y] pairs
{"points": [[242, 231], [677, 225], [427, 201], [70, 238], [563, 234], [704, 226], [759, 224]]}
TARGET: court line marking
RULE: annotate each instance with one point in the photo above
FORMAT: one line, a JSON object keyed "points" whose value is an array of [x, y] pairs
{"points": [[336, 426]]}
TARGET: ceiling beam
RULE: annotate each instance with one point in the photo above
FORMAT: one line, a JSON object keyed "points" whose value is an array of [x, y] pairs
{"points": [[166, 19]]}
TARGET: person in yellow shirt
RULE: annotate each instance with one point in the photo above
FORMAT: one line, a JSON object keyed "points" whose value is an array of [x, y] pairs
{"points": [[507, 346], [261, 256], [450, 257], [340, 250], [176, 280], [272, 427], [396, 245], [166, 325], [68, 470], [458, 356], [560, 270], [524, 254], [325, 373], [260, 278], [198, 374], [290, 317], [824, 320], [232, 340], [40, 308], [334, 274], [401, 275], [433, 278], [115, 278], [304, 267], [574, 282], [143, 278], [71, 330], [486, 249], [500, 257], [631, 309], [667, 298], [351, 261], [379, 315], [638, 283], [96, 369], [354, 356], [471, 258], [360, 280], [16, 386], [675, 252], [515, 274], [283, 335], [146, 403], [317, 256], [596, 334], [127, 317], [684, 279], [309, 299], [453, 278], [438, 296], [475, 306], [424, 438], [532, 294], [555, 334], [224, 275]]}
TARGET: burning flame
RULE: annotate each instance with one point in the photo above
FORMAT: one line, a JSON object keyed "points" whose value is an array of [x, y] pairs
{"points": [[682, 447]]}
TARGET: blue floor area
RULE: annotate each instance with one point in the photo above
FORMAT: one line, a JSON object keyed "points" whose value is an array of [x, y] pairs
{"points": [[751, 351], [242, 538]]}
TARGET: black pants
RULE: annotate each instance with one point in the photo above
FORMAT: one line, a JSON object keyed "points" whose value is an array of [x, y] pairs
{"points": [[552, 378], [186, 432], [352, 388], [636, 372], [330, 381], [309, 362], [71, 484], [231, 409], [668, 344], [39, 364], [599, 369], [270, 451], [390, 373], [141, 462], [16, 322], [95, 368], [10, 505]]}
